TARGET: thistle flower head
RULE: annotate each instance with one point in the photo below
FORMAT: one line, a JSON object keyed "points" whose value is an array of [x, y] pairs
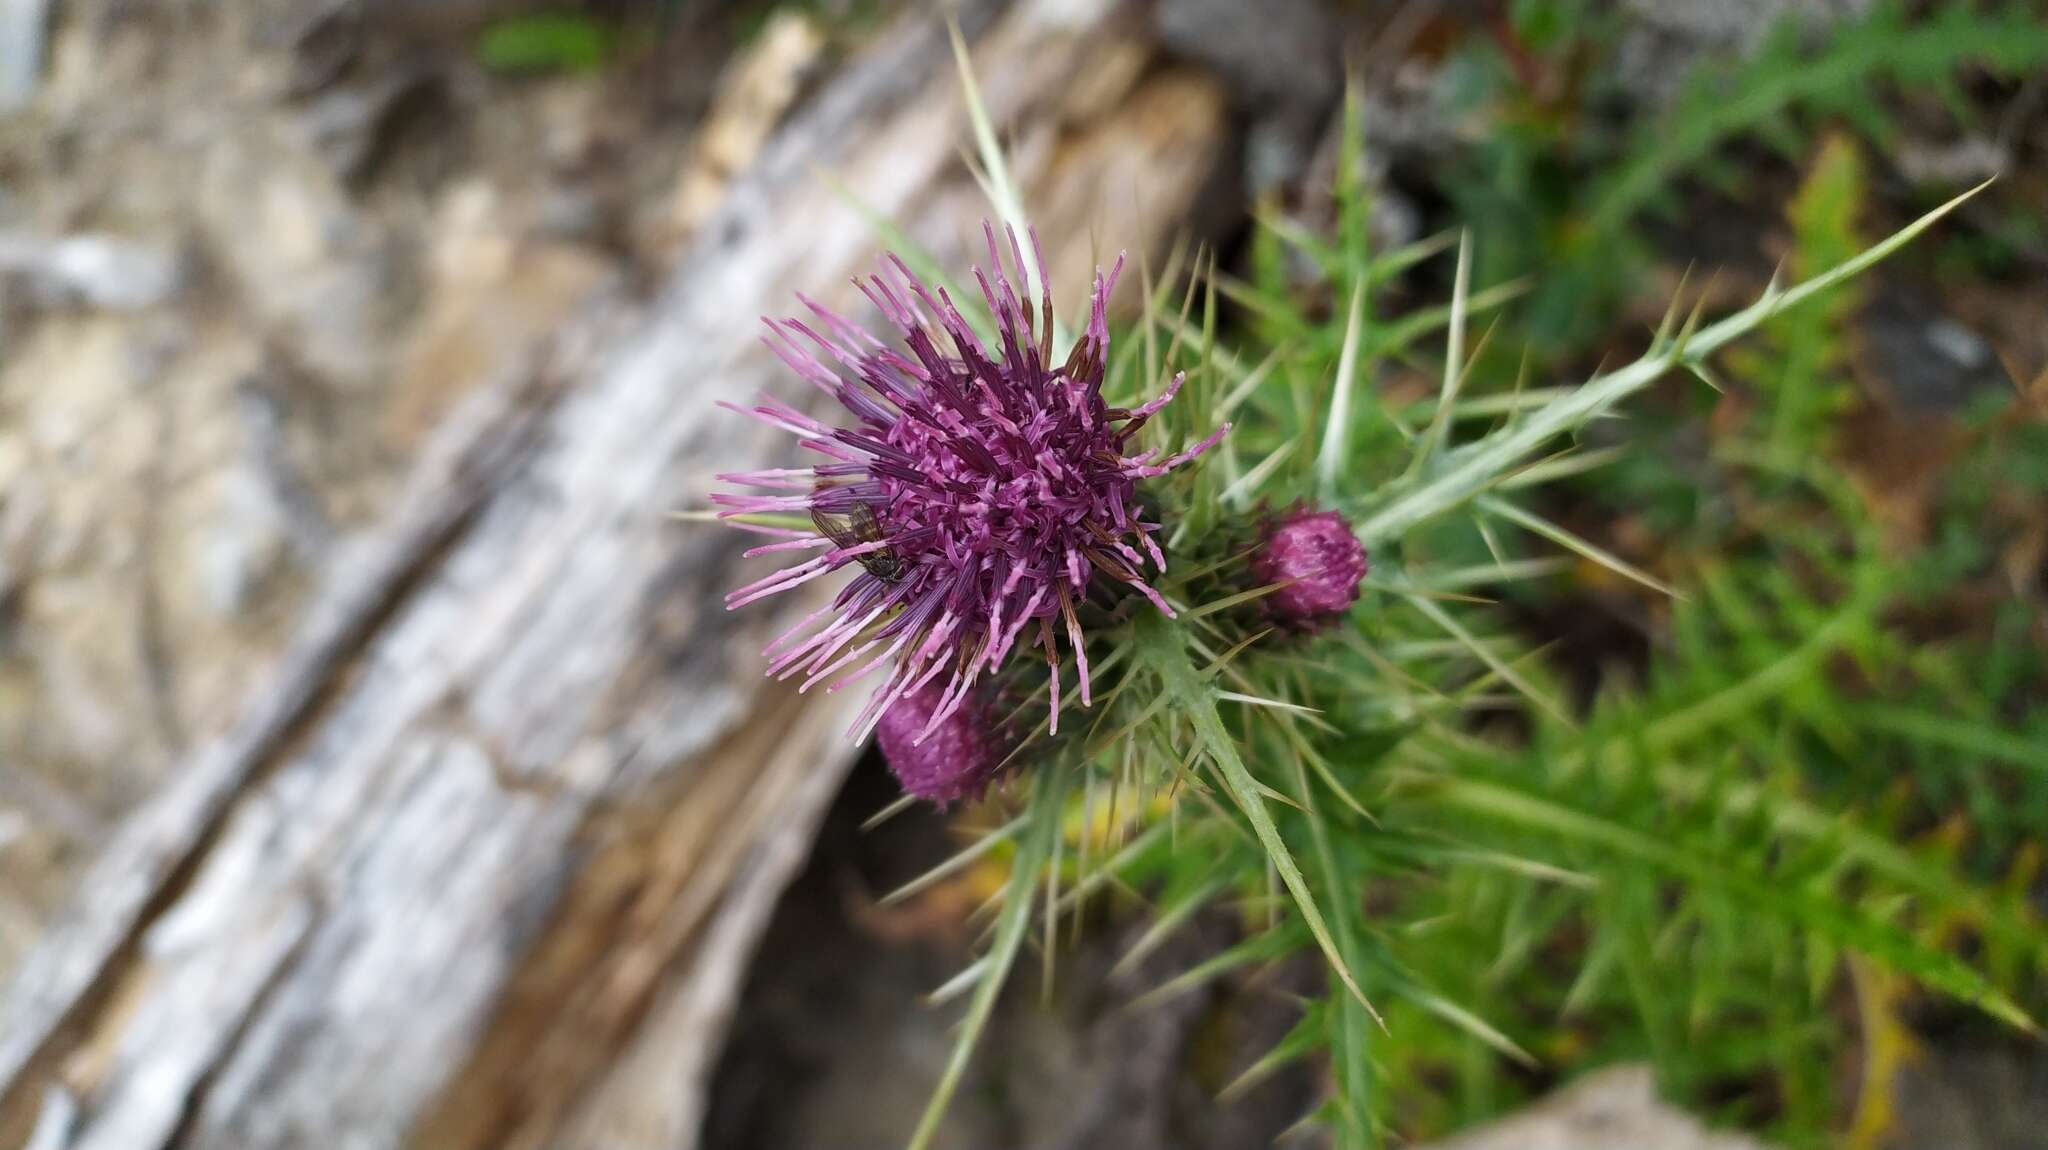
{"points": [[1320, 561], [983, 491], [954, 761]]}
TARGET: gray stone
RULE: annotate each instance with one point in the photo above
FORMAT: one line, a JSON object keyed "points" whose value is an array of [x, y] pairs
{"points": [[1615, 1109], [313, 267], [1921, 358], [107, 272], [1666, 37], [1278, 51], [1982, 1096], [243, 546], [1278, 59], [22, 27]]}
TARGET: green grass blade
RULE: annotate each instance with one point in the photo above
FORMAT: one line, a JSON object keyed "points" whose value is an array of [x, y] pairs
{"points": [[1454, 360], [1821, 913], [1502, 509], [1487, 655]]}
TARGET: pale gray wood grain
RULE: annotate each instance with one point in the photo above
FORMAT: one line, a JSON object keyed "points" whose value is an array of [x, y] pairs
{"points": [[483, 864]]}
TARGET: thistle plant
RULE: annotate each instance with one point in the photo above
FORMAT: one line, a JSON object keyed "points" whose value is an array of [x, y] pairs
{"points": [[1260, 718]]}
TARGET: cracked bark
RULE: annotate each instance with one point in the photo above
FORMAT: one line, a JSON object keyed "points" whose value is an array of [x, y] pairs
{"points": [[484, 863]]}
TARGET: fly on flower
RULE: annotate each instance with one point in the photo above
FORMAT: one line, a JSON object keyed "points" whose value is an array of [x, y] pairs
{"points": [[983, 492], [853, 532]]}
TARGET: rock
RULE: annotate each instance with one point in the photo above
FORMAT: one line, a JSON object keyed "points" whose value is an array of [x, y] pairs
{"points": [[1395, 219], [10, 589], [447, 17], [242, 545], [1920, 358], [84, 450], [304, 259], [1943, 162], [323, 39], [352, 126], [1615, 1109], [1741, 24], [1666, 38], [107, 272], [1279, 62], [22, 26], [1274, 53], [1982, 1095]]}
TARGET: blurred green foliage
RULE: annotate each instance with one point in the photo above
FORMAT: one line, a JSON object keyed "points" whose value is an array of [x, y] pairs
{"points": [[546, 42], [1560, 189]]}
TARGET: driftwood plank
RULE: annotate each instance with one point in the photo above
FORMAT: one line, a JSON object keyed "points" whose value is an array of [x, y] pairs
{"points": [[483, 865]]}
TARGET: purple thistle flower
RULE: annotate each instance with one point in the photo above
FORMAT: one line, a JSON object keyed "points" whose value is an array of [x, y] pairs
{"points": [[954, 760], [982, 492], [1320, 561]]}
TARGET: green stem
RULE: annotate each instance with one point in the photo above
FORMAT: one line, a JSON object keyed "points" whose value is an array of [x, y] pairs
{"points": [[1048, 793]]}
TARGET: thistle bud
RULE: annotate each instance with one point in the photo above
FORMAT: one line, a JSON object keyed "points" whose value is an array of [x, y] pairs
{"points": [[954, 760], [1319, 561]]}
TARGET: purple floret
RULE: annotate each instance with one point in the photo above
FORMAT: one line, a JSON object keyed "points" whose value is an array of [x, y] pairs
{"points": [[1318, 558], [990, 489]]}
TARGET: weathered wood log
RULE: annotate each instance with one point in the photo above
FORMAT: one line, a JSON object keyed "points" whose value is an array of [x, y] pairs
{"points": [[484, 861]]}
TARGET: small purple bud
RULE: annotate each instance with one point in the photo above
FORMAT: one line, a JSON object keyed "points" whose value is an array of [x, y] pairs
{"points": [[1320, 560], [955, 760]]}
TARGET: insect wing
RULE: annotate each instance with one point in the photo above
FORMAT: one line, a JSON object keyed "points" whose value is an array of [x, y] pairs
{"points": [[846, 530]]}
